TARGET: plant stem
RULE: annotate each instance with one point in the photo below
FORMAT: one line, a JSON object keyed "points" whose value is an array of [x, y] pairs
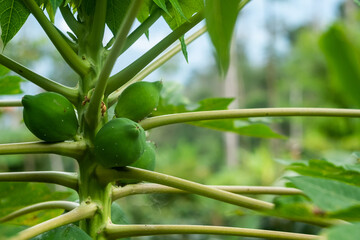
{"points": [[155, 65], [188, 186], [146, 188], [246, 113], [74, 61], [66, 205], [70, 149], [74, 25], [85, 210], [69, 180], [139, 31], [93, 111], [130, 71], [10, 103], [122, 231], [45, 83], [98, 24], [91, 188]]}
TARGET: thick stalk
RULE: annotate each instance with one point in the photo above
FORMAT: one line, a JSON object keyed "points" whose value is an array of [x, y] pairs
{"points": [[74, 61], [45, 83], [188, 186], [130, 71], [122, 231], [85, 210], [69, 180], [147, 188], [10, 103], [96, 34], [92, 114], [70, 149], [155, 65], [66, 205], [90, 188], [246, 113]]}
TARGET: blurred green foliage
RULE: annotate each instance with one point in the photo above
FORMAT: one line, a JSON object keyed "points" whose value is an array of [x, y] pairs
{"points": [[303, 79]]}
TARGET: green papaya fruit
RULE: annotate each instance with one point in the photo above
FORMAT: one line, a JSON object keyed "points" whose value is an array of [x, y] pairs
{"points": [[146, 161], [50, 116], [138, 100], [119, 143]]}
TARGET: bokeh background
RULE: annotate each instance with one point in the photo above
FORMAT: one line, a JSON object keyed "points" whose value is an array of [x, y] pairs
{"points": [[276, 62]]}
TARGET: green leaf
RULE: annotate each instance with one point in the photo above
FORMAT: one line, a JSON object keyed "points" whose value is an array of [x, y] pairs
{"points": [[145, 9], [118, 215], [19, 195], [68, 232], [51, 8], [162, 5], [241, 127], [183, 48], [220, 21], [325, 169], [180, 11], [343, 59], [115, 13], [343, 232], [329, 195], [10, 85], [357, 2], [3, 70], [175, 4], [349, 214], [13, 14]]}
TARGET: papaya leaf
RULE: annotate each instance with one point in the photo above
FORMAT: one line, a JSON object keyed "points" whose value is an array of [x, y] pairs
{"points": [[183, 48], [328, 195], [349, 214], [9, 230], [145, 9], [178, 12], [51, 8], [343, 232], [175, 4], [343, 59], [115, 13], [240, 126], [220, 21], [19, 195], [117, 214], [181, 10], [10, 85], [3, 70], [68, 232], [325, 169], [292, 206], [13, 14], [162, 5]]}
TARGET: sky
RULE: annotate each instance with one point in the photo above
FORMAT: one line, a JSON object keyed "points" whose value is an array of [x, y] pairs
{"points": [[250, 28]]}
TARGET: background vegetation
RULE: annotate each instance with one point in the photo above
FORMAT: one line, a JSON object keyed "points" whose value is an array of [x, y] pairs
{"points": [[299, 77]]}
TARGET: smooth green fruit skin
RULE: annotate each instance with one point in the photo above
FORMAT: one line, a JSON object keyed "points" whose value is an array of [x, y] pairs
{"points": [[50, 116], [138, 100], [119, 143], [146, 161]]}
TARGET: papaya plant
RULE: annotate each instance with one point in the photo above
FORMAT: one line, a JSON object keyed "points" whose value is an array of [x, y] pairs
{"points": [[110, 144]]}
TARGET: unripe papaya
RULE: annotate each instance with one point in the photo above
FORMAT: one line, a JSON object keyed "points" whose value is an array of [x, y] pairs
{"points": [[146, 161], [50, 116], [119, 143], [138, 100]]}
